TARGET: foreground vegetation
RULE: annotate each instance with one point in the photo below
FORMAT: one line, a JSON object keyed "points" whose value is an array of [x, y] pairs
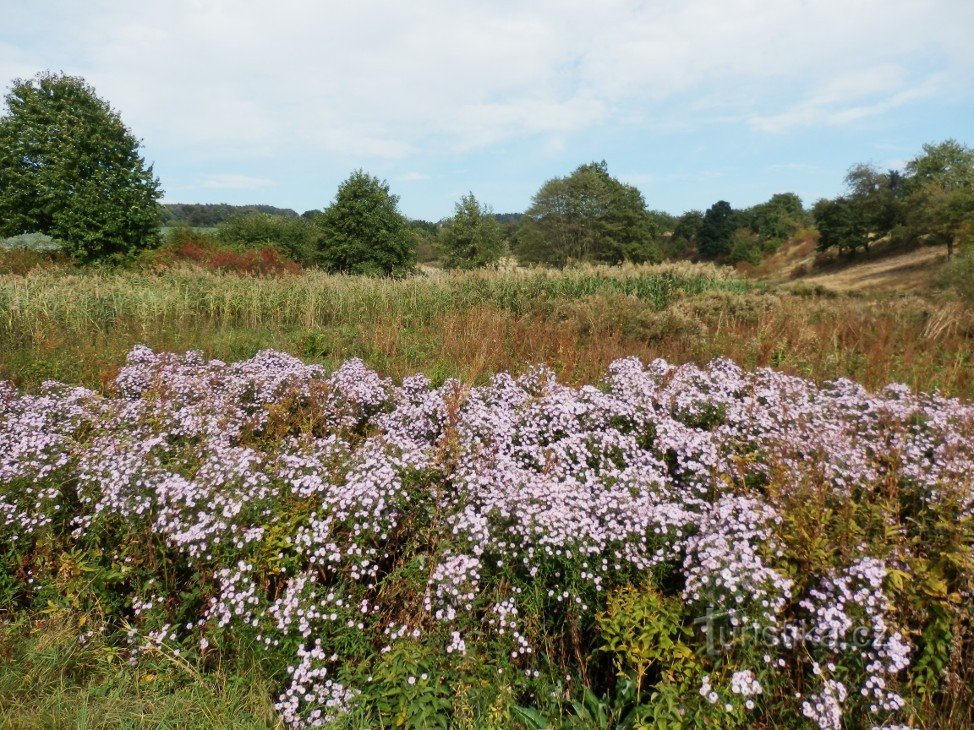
{"points": [[675, 547]]}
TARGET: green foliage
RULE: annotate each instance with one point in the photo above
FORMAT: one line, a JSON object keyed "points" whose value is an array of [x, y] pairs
{"points": [[745, 246], [30, 242], [407, 690], [364, 232], [427, 241], [70, 169], [297, 237], [930, 202], [718, 225], [472, 238], [840, 225], [877, 198], [587, 216], [643, 631], [959, 274], [948, 165], [776, 220], [682, 242], [207, 215]]}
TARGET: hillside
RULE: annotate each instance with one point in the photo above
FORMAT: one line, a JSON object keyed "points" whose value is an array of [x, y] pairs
{"points": [[885, 268]]}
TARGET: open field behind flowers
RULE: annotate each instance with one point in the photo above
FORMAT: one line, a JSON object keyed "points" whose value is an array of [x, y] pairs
{"points": [[78, 326], [270, 541]]}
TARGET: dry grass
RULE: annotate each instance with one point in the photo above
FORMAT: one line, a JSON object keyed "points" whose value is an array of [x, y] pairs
{"points": [[78, 328]]}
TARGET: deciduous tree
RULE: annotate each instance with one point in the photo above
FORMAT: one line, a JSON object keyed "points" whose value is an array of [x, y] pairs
{"points": [[472, 238], [587, 216], [363, 231], [70, 168]]}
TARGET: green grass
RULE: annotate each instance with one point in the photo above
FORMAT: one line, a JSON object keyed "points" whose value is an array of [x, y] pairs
{"points": [[50, 680]]}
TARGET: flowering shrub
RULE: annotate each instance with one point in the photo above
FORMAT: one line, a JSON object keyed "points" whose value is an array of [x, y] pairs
{"points": [[798, 541]]}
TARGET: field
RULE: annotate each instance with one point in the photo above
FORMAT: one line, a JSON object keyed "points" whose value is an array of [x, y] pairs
{"points": [[617, 497], [78, 327]]}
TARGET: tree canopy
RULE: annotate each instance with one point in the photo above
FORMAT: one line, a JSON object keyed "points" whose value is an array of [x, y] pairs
{"points": [[716, 229], [587, 216], [930, 201], [363, 231], [472, 238], [70, 169]]}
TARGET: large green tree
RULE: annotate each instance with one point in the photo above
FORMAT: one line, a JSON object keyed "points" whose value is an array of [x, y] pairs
{"points": [[940, 204], [841, 225], [70, 168], [588, 216], [472, 237], [363, 231], [718, 226]]}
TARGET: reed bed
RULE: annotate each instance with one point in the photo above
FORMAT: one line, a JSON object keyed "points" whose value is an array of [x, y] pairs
{"points": [[78, 327], [85, 301]]}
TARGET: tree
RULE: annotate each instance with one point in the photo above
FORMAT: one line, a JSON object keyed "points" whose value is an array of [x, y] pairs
{"points": [[776, 220], [718, 225], [840, 225], [587, 216], [949, 165], [363, 231], [878, 197], [70, 168], [472, 238], [941, 197], [683, 241]]}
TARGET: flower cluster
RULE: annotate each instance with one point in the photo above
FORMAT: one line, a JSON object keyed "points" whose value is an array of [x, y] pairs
{"points": [[299, 503]]}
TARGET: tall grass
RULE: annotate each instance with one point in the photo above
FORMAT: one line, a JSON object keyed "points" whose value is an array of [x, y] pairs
{"points": [[101, 300], [77, 327]]}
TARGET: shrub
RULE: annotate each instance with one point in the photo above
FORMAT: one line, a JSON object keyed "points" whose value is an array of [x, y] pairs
{"points": [[677, 545], [297, 238], [958, 274], [187, 246], [21, 261], [30, 242]]}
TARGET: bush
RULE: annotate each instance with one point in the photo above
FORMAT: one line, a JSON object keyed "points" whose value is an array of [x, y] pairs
{"points": [[678, 545], [21, 261], [958, 274], [30, 242], [187, 246], [299, 239]]}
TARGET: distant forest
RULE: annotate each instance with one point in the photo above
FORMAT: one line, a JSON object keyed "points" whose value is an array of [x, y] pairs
{"points": [[203, 215], [213, 214]]}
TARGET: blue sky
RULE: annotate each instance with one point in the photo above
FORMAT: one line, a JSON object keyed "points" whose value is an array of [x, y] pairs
{"points": [[692, 101]]}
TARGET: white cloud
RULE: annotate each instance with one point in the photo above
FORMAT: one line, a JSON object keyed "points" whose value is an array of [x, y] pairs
{"points": [[413, 177], [230, 181], [225, 80]]}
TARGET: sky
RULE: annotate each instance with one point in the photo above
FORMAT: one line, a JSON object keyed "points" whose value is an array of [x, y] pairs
{"points": [[692, 101]]}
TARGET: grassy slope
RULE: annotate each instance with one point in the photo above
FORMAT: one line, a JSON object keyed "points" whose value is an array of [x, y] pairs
{"points": [[885, 269]]}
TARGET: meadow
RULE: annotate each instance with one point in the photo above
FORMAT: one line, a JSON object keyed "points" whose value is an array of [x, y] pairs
{"points": [[77, 326], [641, 496]]}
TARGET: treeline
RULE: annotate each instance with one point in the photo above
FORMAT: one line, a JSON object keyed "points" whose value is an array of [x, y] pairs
{"points": [[71, 173], [929, 201], [206, 215]]}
